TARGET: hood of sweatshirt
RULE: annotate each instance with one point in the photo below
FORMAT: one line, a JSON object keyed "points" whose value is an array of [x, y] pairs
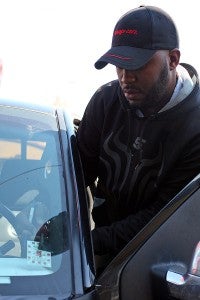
{"points": [[187, 85]]}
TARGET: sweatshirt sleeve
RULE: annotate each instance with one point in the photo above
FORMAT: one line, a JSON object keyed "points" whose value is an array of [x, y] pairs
{"points": [[111, 239], [89, 136], [91, 126]]}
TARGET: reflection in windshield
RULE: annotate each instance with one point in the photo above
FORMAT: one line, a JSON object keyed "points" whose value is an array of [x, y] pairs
{"points": [[52, 236]]}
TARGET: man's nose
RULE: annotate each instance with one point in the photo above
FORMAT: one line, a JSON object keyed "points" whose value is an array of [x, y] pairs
{"points": [[128, 76]]}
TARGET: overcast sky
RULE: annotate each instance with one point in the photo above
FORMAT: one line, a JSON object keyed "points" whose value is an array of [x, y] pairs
{"points": [[49, 47]]}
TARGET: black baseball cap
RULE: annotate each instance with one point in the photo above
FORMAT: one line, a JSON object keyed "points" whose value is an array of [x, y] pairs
{"points": [[137, 36]]}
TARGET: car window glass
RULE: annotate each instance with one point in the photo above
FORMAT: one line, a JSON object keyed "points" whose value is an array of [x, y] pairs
{"points": [[34, 237]]}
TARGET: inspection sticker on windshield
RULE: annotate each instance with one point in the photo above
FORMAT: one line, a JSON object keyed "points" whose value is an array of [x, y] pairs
{"points": [[35, 256]]}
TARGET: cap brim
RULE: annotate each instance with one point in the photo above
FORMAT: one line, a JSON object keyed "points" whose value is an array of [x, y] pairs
{"points": [[125, 57]]}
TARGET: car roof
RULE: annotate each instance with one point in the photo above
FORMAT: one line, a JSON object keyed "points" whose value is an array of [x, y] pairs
{"points": [[45, 108]]}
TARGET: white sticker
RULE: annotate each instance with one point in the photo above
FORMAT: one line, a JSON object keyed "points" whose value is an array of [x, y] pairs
{"points": [[36, 256]]}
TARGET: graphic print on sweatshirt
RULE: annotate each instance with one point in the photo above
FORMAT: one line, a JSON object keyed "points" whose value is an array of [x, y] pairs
{"points": [[129, 171]]}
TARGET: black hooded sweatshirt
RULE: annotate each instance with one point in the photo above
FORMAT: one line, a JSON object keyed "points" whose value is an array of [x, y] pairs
{"points": [[141, 162]]}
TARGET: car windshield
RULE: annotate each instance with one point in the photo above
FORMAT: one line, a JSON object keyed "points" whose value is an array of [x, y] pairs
{"points": [[34, 241]]}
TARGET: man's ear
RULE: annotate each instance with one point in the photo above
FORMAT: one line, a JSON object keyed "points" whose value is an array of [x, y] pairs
{"points": [[174, 56]]}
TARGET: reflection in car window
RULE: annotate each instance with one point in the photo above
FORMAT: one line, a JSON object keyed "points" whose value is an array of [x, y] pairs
{"points": [[33, 214]]}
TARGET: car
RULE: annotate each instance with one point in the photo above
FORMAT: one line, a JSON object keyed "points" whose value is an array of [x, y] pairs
{"points": [[45, 222]]}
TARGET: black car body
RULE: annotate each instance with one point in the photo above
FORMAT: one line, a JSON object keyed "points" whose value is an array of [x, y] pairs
{"points": [[45, 228]]}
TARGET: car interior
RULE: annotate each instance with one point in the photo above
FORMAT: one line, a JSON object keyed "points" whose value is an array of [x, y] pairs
{"points": [[29, 183]]}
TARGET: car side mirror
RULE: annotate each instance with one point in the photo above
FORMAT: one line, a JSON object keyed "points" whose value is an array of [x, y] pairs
{"points": [[186, 286]]}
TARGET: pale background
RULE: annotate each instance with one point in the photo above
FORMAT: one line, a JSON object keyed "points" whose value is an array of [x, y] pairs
{"points": [[49, 47]]}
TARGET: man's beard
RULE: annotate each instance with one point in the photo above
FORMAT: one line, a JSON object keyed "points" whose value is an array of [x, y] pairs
{"points": [[158, 93]]}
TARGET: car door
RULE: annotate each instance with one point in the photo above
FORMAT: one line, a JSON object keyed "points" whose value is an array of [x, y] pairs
{"points": [[162, 261]]}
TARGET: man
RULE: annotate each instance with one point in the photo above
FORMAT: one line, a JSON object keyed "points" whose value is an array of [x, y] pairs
{"points": [[140, 134]]}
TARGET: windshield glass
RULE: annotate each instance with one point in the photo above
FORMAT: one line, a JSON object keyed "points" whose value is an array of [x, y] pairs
{"points": [[33, 214]]}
